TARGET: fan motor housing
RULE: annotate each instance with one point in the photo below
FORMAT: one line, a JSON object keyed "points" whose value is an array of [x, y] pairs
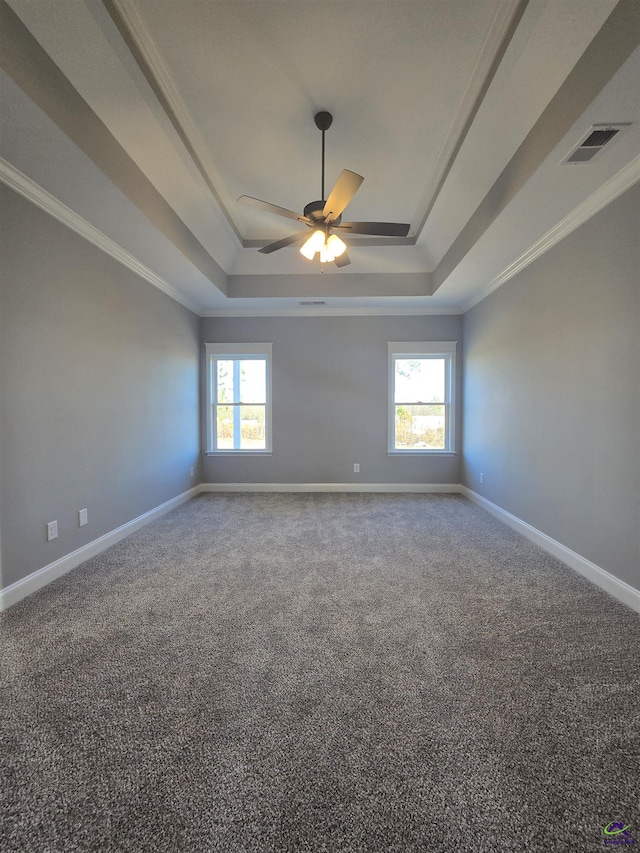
{"points": [[314, 209]]}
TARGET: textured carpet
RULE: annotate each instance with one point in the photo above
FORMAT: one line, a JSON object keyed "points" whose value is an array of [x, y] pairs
{"points": [[318, 672]]}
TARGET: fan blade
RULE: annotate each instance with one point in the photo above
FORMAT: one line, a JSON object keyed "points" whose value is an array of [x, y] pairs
{"points": [[381, 229], [287, 241], [273, 208], [343, 260], [343, 191]]}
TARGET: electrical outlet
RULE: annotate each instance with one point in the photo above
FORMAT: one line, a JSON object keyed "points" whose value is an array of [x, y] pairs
{"points": [[482, 478], [82, 517], [356, 468], [52, 530]]}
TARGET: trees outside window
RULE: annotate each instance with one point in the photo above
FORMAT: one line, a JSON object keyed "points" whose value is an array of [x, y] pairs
{"points": [[239, 398], [421, 397]]}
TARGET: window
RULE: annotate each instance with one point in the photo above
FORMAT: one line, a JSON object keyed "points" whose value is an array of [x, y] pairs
{"points": [[238, 398], [422, 397]]}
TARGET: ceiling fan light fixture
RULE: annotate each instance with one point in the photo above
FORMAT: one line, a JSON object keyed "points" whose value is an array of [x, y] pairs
{"points": [[336, 246], [324, 214], [314, 244], [325, 255]]}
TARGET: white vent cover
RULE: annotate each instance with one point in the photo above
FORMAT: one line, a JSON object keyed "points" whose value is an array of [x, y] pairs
{"points": [[593, 142]]}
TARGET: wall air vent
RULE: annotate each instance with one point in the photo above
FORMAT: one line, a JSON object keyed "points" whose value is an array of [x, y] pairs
{"points": [[593, 142], [308, 302]]}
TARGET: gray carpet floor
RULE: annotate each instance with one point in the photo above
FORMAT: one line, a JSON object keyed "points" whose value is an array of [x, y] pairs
{"points": [[320, 672]]}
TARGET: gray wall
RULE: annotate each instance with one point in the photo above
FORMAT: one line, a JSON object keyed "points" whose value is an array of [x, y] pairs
{"points": [[330, 399], [552, 392], [99, 393], [98, 387]]}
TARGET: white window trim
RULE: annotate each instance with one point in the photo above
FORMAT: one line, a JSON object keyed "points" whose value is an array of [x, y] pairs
{"points": [[235, 351], [424, 349]]}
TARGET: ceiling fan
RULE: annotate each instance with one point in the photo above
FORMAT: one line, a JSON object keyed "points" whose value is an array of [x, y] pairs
{"points": [[324, 217]]}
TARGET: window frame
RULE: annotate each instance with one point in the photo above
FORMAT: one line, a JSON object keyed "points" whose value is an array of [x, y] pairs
{"points": [[232, 352], [424, 349]]}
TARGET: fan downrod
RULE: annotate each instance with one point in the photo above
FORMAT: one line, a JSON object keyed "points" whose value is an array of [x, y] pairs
{"points": [[323, 121]]}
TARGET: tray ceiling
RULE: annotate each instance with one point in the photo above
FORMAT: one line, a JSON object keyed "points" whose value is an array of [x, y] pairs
{"points": [[458, 113]]}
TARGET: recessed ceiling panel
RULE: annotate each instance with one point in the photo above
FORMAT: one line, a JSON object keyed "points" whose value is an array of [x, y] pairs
{"points": [[433, 102], [252, 75]]}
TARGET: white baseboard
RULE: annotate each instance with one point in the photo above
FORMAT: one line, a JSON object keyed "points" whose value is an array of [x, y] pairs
{"points": [[619, 589], [624, 592], [416, 488], [41, 577]]}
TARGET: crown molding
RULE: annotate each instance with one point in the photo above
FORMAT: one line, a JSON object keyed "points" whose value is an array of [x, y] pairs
{"points": [[608, 192], [505, 21], [331, 311], [27, 188], [148, 58]]}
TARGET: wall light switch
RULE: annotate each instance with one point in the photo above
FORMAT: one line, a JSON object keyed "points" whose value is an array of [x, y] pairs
{"points": [[52, 530], [82, 517]]}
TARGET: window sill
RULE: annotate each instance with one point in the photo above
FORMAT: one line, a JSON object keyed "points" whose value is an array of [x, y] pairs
{"points": [[238, 453], [422, 453]]}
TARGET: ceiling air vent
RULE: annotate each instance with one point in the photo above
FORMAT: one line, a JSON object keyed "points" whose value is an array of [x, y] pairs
{"points": [[593, 143]]}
